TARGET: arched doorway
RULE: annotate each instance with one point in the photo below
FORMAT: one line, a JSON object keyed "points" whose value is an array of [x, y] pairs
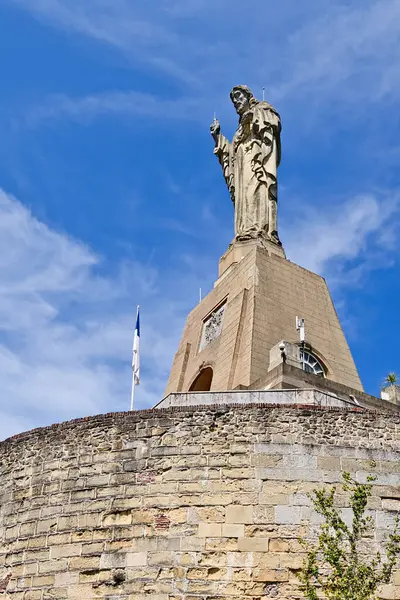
{"points": [[202, 383]]}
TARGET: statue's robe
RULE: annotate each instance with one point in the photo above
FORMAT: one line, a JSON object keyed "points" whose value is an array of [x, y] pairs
{"points": [[250, 166]]}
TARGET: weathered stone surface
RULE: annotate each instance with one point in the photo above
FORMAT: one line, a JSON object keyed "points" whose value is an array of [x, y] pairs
{"points": [[249, 165], [183, 526]]}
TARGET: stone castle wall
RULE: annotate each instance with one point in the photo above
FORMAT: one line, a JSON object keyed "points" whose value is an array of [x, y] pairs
{"points": [[182, 504]]}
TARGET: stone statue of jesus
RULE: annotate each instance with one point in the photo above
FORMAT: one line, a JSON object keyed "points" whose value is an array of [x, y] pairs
{"points": [[250, 164]]}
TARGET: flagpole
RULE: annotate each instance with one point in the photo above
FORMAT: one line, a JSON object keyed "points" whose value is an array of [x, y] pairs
{"points": [[133, 389]]}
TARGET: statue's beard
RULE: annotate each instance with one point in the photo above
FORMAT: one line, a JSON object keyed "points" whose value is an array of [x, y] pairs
{"points": [[245, 115], [241, 109]]}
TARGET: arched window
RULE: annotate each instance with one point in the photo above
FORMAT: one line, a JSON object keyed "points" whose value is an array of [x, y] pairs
{"points": [[202, 383], [311, 364]]}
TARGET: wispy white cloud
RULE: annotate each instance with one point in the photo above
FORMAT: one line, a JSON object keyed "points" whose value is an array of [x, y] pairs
{"points": [[352, 48], [116, 22], [66, 331], [345, 242], [136, 104], [319, 52], [143, 35]]}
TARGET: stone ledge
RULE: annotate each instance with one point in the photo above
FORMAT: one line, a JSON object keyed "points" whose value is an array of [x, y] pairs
{"points": [[286, 376], [278, 397], [108, 419]]}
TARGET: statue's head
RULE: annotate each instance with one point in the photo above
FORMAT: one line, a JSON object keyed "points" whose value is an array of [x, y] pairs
{"points": [[242, 98]]}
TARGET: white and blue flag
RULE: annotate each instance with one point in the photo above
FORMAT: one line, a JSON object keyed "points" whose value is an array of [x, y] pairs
{"points": [[136, 350]]}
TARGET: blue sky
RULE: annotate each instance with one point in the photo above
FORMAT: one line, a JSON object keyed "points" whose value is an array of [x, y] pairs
{"points": [[111, 196]]}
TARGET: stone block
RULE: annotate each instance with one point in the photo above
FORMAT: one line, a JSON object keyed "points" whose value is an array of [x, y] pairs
{"points": [[391, 504], [190, 461], [288, 514], [221, 544], [206, 514], [121, 518], [232, 530], [84, 563], [197, 573], [75, 536], [185, 558], [138, 596], [239, 514], [239, 460], [160, 558], [125, 503], [27, 529], [253, 544], [66, 579], [266, 560], [89, 521], [79, 495], [144, 544], [31, 595], [136, 559], [45, 526], [178, 516], [266, 460], [218, 461], [40, 541], [94, 548], [31, 569], [388, 592], [192, 544], [270, 575], [292, 561], [65, 550], [217, 499], [264, 514], [330, 463], [90, 576], [239, 559], [299, 499], [240, 448], [212, 530], [43, 581], [144, 576], [244, 473], [111, 560], [182, 474], [273, 499], [164, 543], [77, 592], [279, 545], [52, 566], [110, 492], [70, 522]]}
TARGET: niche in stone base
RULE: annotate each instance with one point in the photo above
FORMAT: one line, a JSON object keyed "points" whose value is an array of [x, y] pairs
{"points": [[203, 381]]}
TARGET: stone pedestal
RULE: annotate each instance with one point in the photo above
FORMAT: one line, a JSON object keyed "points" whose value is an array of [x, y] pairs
{"points": [[238, 250], [252, 307]]}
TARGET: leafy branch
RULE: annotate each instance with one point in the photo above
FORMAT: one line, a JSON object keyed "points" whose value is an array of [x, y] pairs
{"points": [[335, 567], [390, 379]]}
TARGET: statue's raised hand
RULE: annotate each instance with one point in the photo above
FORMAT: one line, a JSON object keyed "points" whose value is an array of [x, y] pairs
{"points": [[215, 129]]}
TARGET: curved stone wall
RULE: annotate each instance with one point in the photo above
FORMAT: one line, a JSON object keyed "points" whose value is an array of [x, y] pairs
{"points": [[200, 503]]}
